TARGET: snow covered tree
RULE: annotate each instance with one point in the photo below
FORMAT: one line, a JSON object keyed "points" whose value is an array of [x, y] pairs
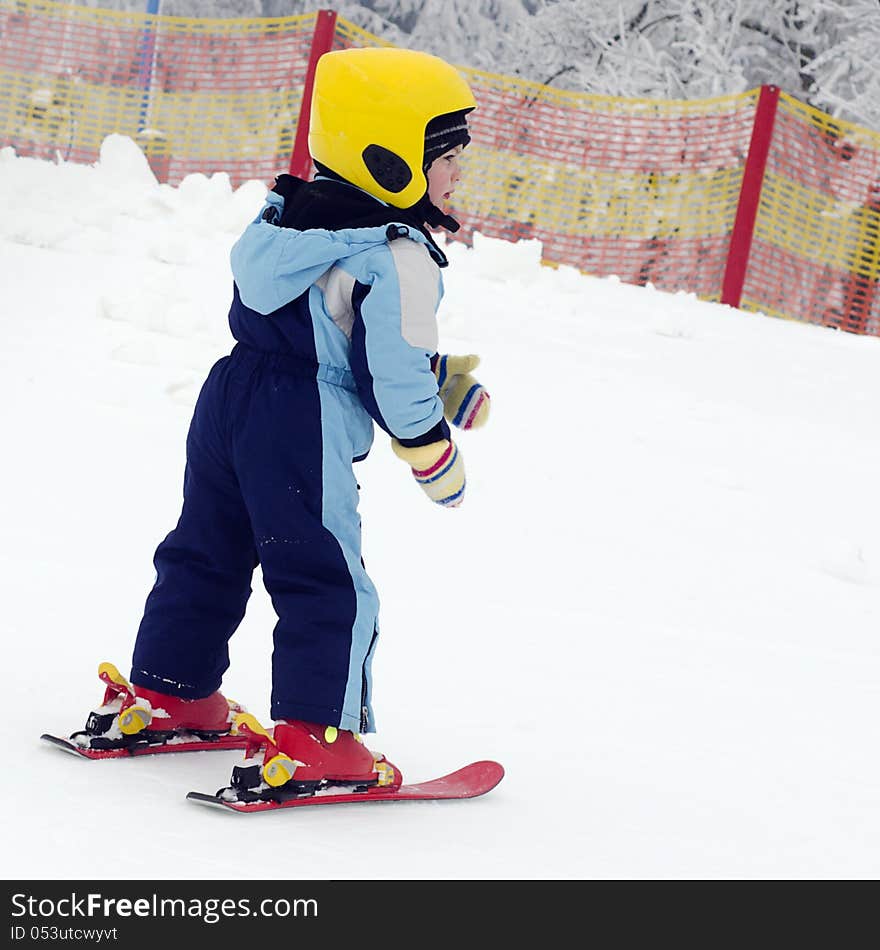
{"points": [[843, 77]]}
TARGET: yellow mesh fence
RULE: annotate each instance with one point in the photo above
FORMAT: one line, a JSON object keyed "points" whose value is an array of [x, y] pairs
{"points": [[816, 250], [198, 94], [644, 189], [348, 35]]}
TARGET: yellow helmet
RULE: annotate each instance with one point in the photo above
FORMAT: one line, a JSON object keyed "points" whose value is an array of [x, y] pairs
{"points": [[370, 108]]}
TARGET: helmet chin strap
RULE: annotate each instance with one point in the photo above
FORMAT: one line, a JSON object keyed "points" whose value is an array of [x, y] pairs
{"points": [[432, 215], [424, 209]]}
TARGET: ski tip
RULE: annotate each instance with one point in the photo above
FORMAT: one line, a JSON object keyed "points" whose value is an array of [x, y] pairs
{"points": [[64, 744], [490, 767], [204, 799], [488, 772]]}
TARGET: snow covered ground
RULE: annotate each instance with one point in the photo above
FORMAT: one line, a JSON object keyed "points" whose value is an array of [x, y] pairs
{"points": [[658, 607]]}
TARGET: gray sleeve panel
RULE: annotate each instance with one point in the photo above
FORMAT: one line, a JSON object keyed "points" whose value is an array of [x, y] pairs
{"points": [[419, 279], [336, 286]]}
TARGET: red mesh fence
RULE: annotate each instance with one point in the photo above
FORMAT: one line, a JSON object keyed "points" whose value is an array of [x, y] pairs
{"points": [[199, 95], [816, 250], [648, 190], [643, 189]]}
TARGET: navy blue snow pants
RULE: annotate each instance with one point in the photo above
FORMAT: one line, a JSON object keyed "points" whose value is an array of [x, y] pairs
{"points": [[268, 480]]}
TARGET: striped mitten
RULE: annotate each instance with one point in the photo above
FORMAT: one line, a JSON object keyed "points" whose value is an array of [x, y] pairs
{"points": [[438, 468], [465, 401]]}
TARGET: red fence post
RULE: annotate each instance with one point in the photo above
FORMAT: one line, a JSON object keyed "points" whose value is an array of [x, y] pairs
{"points": [[322, 42], [749, 197]]}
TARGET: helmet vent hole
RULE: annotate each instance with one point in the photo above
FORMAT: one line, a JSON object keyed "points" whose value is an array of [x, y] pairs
{"points": [[389, 170]]}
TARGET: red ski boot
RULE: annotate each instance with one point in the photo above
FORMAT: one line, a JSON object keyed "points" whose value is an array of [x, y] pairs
{"points": [[136, 720], [158, 712], [302, 758]]}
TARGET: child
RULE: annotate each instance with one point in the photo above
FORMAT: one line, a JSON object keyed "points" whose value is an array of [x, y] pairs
{"points": [[334, 305]]}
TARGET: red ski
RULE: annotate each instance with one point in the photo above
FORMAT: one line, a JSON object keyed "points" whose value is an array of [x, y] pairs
{"points": [[468, 782], [181, 743]]}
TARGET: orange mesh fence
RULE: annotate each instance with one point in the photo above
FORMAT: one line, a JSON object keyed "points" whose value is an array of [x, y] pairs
{"points": [[816, 249], [643, 189], [199, 95], [648, 190], [347, 35]]}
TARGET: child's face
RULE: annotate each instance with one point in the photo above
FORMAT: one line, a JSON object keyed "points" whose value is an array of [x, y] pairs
{"points": [[443, 175]]}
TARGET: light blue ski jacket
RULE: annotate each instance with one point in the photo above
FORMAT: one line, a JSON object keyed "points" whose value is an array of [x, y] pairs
{"points": [[357, 307]]}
